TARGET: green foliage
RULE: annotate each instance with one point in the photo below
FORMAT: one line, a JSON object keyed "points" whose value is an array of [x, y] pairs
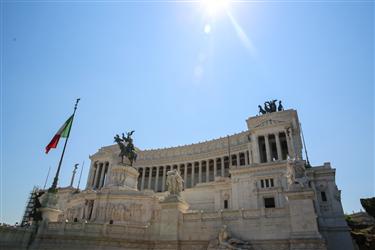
{"points": [[349, 219], [369, 205]]}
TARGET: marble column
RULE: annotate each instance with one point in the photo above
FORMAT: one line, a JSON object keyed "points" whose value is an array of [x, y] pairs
{"points": [[143, 178], [268, 151], [156, 179], [278, 146], [104, 173], [164, 174], [215, 168], [288, 138], [89, 179], [98, 168], [238, 160], [94, 171], [185, 175], [222, 167], [200, 172], [149, 178], [293, 145], [192, 174], [256, 151], [207, 170]]}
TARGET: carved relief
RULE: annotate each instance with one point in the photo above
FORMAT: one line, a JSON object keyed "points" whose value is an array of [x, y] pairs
{"points": [[120, 212], [296, 176]]}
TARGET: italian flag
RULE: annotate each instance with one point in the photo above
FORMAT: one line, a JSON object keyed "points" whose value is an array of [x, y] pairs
{"points": [[63, 132]]}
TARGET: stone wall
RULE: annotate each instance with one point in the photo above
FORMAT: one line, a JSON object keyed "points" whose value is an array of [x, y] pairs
{"points": [[15, 237]]}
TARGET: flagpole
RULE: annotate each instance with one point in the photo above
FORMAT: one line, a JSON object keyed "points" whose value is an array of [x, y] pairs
{"points": [[45, 183], [52, 189], [304, 145]]}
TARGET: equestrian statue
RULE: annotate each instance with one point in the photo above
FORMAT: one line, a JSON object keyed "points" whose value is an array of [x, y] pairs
{"points": [[127, 148]]}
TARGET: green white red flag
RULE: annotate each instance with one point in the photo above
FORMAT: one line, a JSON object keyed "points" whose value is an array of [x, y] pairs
{"points": [[63, 132]]}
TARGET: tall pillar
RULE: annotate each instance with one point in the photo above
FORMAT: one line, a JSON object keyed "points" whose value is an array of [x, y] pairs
{"points": [[222, 167], [185, 175], [278, 146], [156, 179], [256, 151], [94, 171], [164, 173], [200, 172], [207, 170], [89, 179], [102, 176], [143, 178], [215, 168], [238, 160], [149, 178], [99, 166], [268, 151], [192, 174], [289, 144], [293, 144]]}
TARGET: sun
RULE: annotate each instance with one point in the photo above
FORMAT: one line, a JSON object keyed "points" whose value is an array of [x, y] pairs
{"points": [[214, 7]]}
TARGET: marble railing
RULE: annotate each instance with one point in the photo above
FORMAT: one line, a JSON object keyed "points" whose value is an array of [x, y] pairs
{"points": [[228, 215], [95, 229]]}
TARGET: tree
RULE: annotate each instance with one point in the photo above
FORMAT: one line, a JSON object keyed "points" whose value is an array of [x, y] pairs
{"points": [[369, 205]]}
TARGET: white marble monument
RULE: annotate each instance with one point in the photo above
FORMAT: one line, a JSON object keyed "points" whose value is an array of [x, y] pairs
{"points": [[251, 190]]}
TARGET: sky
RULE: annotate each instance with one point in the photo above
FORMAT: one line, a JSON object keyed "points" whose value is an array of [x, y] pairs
{"points": [[177, 73]]}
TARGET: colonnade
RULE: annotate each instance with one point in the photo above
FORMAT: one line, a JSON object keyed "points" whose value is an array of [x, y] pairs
{"points": [[154, 177], [98, 175], [274, 146]]}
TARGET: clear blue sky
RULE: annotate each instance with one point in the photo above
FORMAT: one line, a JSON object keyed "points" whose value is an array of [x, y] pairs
{"points": [[150, 66]]}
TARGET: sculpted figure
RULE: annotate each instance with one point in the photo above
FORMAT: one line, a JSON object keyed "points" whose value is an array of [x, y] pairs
{"points": [[302, 181], [270, 107], [127, 148], [267, 107], [227, 242], [273, 105], [296, 176], [261, 110], [280, 107], [174, 182]]}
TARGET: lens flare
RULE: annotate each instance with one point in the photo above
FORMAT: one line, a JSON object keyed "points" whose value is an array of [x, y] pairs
{"points": [[207, 29], [214, 7]]}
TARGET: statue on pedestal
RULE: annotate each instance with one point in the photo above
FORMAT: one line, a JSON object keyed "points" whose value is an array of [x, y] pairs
{"points": [[126, 147], [174, 182]]}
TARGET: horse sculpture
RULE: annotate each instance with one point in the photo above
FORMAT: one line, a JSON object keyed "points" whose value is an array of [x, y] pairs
{"points": [[270, 107], [127, 148]]}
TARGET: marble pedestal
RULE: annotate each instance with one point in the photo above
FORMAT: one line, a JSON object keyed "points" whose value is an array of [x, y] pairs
{"points": [[123, 177], [50, 214], [49, 209], [172, 209], [302, 214]]}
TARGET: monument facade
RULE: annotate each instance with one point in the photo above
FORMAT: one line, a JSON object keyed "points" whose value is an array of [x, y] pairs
{"points": [[250, 190]]}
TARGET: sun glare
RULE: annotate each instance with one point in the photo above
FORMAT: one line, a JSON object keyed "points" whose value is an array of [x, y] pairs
{"points": [[214, 7]]}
